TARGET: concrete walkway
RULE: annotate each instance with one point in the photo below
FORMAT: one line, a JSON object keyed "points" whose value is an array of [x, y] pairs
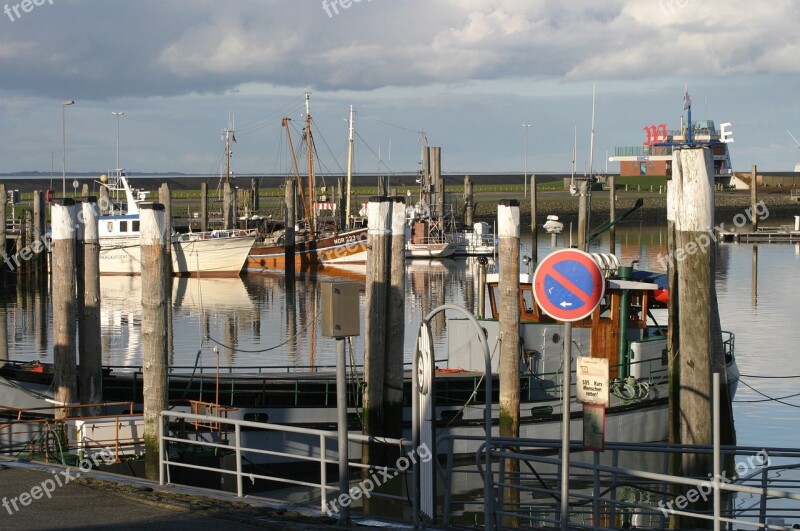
{"points": [[40, 496]]}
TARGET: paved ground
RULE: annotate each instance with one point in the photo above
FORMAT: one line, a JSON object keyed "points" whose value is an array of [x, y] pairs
{"points": [[96, 503]]}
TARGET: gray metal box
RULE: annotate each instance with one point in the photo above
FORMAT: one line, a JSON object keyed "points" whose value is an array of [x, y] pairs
{"points": [[341, 316]]}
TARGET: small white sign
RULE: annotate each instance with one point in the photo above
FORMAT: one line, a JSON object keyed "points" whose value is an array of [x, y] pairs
{"points": [[592, 380]]}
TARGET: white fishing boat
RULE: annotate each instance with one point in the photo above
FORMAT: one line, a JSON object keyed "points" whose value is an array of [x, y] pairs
{"points": [[477, 240], [219, 253]]}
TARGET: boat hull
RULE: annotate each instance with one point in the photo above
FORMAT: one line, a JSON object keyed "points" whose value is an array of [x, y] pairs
{"points": [[191, 256], [344, 248], [429, 250]]}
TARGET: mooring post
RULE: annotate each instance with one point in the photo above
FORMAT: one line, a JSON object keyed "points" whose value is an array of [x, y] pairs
{"points": [[534, 221], [203, 207], [379, 244], [290, 200], [89, 340], [508, 230], [469, 201], [754, 196], [395, 320], [155, 298], [228, 206], [438, 180], [63, 220], [254, 186], [583, 204], [37, 237], [612, 213]]}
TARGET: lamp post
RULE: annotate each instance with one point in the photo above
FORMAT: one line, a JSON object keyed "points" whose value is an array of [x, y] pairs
{"points": [[64, 145], [118, 114], [525, 177]]}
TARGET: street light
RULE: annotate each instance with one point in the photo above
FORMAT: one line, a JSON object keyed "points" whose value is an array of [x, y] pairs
{"points": [[118, 114], [64, 145], [525, 178]]}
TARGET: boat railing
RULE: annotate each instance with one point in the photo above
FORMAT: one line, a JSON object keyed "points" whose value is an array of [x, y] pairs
{"points": [[608, 492], [313, 446]]}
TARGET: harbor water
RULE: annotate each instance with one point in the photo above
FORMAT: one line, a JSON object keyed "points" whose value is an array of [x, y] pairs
{"points": [[259, 321]]}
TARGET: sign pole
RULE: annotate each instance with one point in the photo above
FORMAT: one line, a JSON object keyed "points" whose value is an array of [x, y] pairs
{"points": [[566, 391]]}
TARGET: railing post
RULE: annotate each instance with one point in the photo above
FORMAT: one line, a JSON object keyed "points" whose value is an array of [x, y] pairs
{"points": [[161, 454], [323, 472], [237, 439], [596, 491], [762, 507]]}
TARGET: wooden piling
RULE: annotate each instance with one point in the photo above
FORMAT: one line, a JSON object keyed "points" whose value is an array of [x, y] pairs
{"points": [[228, 206], [379, 244], [438, 180], [612, 213], [165, 198], [469, 202], [90, 349], [203, 207], [290, 200], [754, 196], [692, 207], [583, 204], [395, 321], [63, 220], [534, 221], [508, 230], [37, 238], [104, 202], [425, 195], [255, 200], [155, 298], [3, 225]]}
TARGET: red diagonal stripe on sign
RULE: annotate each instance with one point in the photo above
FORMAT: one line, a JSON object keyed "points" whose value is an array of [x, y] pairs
{"points": [[575, 290]]}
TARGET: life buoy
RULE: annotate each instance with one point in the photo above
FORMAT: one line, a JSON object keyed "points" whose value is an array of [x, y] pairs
{"points": [[49, 195]]}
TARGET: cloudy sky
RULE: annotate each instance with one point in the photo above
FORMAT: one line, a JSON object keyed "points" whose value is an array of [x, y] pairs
{"points": [[466, 73]]}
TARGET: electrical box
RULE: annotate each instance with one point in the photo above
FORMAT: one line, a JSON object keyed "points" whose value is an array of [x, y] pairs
{"points": [[341, 315]]}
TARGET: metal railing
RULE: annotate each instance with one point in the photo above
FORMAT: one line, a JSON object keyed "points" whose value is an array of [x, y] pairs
{"points": [[324, 456]]}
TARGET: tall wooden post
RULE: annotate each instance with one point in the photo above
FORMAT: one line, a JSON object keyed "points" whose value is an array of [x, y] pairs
{"points": [[438, 180], [508, 253], [165, 198], [89, 344], [469, 202], [379, 244], [203, 207], [228, 207], [534, 221], [104, 202], [37, 240], [155, 298], [255, 205], [612, 213], [583, 203], [425, 196], [754, 196], [64, 303], [290, 199], [395, 320]]}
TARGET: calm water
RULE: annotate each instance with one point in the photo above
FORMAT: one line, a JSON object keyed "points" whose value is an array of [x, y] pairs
{"points": [[256, 320]]}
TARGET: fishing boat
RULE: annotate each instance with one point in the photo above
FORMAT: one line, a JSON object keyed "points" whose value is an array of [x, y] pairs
{"points": [[477, 240], [219, 253], [321, 235]]}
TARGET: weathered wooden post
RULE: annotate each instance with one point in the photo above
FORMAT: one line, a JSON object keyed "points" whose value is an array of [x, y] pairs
{"points": [[203, 207], [469, 202], [379, 229], [699, 342], [155, 298], [425, 195], [395, 320], [290, 200], [228, 206], [4, 222], [64, 303], [254, 205], [534, 221], [612, 213], [754, 196], [508, 255], [37, 237], [105, 201], [90, 349], [438, 180], [583, 203]]}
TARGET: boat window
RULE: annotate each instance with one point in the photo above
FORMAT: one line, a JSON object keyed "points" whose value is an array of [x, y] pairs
{"points": [[123, 226], [494, 299], [527, 300], [135, 226]]}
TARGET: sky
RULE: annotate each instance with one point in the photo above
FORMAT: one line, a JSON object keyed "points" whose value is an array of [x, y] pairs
{"points": [[460, 74]]}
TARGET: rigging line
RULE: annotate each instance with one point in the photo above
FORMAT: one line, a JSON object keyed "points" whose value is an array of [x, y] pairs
{"points": [[768, 377], [233, 349], [320, 135], [389, 170], [394, 125], [768, 398]]}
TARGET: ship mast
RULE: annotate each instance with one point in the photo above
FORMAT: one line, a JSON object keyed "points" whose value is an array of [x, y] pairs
{"points": [[349, 170], [228, 134], [312, 212]]}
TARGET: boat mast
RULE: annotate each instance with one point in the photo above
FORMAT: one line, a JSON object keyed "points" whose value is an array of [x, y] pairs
{"points": [[228, 134], [312, 213], [349, 170], [295, 166]]}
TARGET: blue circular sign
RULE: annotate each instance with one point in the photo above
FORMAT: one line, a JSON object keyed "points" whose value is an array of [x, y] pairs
{"points": [[568, 285]]}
